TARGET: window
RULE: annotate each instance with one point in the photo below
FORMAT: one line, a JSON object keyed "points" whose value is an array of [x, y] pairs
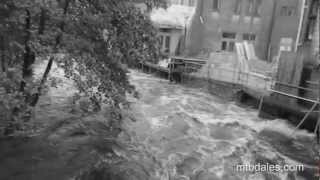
{"points": [[227, 46], [257, 6], [249, 7], [249, 37], [237, 7], [167, 42], [224, 46], [161, 40], [287, 11], [228, 41], [286, 44], [165, 30], [229, 35], [191, 2], [216, 5], [231, 46]]}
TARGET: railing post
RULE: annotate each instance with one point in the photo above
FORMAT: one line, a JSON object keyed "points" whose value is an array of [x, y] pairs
{"points": [[318, 123], [260, 105]]}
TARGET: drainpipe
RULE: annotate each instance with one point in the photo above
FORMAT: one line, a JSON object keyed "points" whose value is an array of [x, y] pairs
{"points": [[300, 25], [275, 4]]}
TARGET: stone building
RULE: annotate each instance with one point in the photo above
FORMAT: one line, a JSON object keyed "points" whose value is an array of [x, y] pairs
{"points": [[270, 25]]}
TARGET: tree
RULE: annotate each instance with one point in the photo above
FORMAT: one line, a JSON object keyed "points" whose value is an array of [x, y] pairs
{"points": [[96, 38]]}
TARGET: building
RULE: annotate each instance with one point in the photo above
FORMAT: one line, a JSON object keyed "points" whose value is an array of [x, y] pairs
{"points": [[169, 37], [270, 25], [172, 24]]}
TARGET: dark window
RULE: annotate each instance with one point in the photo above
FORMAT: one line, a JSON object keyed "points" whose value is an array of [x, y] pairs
{"points": [[216, 5], [249, 37], [167, 45], [287, 11], [290, 12], [224, 46], [283, 11], [229, 35], [161, 40], [231, 46], [165, 30], [237, 7]]}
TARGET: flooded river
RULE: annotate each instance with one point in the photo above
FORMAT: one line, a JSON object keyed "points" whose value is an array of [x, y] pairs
{"points": [[194, 135]]}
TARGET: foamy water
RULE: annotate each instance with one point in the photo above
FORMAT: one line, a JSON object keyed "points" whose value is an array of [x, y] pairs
{"points": [[194, 135]]}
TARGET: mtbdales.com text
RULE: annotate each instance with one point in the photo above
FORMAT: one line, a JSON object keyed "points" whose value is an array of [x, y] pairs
{"points": [[268, 168]]}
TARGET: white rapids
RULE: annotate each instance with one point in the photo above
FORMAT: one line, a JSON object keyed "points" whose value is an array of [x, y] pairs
{"points": [[193, 135]]}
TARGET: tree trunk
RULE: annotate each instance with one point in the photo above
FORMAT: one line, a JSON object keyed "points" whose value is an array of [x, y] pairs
{"points": [[42, 21], [29, 56], [2, 49], [35, 97]]}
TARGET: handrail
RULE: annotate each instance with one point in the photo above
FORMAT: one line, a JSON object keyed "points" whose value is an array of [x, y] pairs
{"points": [[294, 96], [297, 87], [313, 83], [202, 61]]}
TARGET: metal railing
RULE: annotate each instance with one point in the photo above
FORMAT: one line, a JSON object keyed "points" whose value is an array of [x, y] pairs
{"points": [[246, 79]]}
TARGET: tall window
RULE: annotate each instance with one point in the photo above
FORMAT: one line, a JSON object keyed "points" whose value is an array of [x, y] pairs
{"points": [[253, 7], [237, 7], [257, 7], [167, 43], [216, 5], [249, 7], [161, 40]]}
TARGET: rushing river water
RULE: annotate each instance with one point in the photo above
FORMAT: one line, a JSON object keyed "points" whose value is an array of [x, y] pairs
{"points": [[194, 135]]}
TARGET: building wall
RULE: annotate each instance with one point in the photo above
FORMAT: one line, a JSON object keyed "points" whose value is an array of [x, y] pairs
{"points": [[265, 22], [286, 25], [171, 34]]}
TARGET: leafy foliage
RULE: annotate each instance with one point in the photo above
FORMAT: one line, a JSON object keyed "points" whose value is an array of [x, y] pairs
{"points": [[94, 37]]}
